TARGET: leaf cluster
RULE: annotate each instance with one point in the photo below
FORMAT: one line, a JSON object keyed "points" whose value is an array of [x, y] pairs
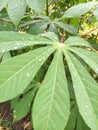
{"points": [[46, 65]]}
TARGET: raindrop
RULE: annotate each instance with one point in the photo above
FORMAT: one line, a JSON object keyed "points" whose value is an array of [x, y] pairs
{"points": [[14, 116], [14, 111], [16, 6], [3, 50], [18, 43], [40, 59], [43, 58], [86, 106], [31, 38], [55, 38], [28, 74], [75, 74], [74, 86], [97, 70], [25, 45], [15, 47]]}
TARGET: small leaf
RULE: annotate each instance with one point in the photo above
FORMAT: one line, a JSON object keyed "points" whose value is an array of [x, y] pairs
{"points": [[53, 28], [16, 10], [38, 28], [2, 4], [66, 27], [72, 118], [51, 104], [14, 40], [81, 124], [37, 5], [78, 10], [51, 35], [16, 73], [86, 91], [76, 41], [22, 107]]}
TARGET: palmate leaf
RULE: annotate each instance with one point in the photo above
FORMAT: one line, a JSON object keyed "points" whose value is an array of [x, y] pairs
{"points": [[15, 40], [86, 91], [68, 28], [53, 28], [16, 10], [38, 28], [16, 73], [22, 107], [51, 104], [78, 10], [91, 58]]}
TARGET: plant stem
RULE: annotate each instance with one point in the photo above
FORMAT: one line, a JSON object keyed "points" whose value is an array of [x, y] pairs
{"points": [[90, 31], [47, 11], [62, 38]]}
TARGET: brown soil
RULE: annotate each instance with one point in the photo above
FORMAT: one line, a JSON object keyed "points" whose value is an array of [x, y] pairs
{"points": [[6, 118]]}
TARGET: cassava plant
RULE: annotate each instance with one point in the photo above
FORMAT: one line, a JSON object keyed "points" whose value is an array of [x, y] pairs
{"points": [[48, 67]]}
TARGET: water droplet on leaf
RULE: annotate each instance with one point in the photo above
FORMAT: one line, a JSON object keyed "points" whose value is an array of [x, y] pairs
{"points": [[3, 50], [28, 74], [40, 59], [97, 70]]}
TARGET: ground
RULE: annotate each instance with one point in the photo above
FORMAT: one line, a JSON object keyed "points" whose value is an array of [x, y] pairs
{"points": [[6, 119]]}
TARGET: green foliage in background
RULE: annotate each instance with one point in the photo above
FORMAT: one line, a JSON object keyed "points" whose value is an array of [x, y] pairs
{"points": [[49, 62]]}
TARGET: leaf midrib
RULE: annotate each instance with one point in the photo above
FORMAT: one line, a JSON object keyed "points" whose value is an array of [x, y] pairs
{"points": [[54, 86]]}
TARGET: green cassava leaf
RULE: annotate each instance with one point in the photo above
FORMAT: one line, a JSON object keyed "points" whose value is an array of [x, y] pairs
{"points": [[76, 41], [38, 28], [75, 120], [80, 123], [22, 107], [53, 28], [16, 73], [51, 35], [37, 5], [68, 28], [51, 105], [16, 10], [72, 118], [2, 4], [78, 10], [15, 40], [91, 58], [86, 91]]}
